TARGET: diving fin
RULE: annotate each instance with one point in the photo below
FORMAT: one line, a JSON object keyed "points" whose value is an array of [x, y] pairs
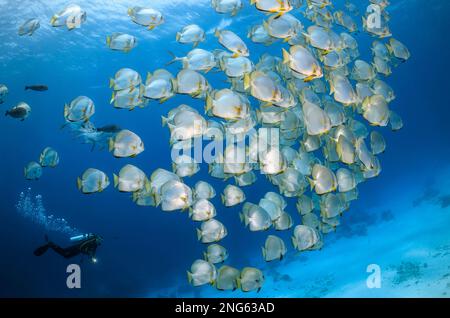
{"points": [[41, 250]]}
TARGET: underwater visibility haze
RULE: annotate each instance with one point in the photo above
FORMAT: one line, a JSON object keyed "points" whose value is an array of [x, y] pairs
{"points": [[350, 197]]}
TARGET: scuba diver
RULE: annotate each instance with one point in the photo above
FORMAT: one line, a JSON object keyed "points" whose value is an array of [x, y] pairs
{"points": [[86, 244]]}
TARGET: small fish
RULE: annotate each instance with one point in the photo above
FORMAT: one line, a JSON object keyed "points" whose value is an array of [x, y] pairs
{"points": [[232, 42], [21, 111], [202, 210], [204, 190], [121, 42], [126, 144], [29, 27], [49, 158], [398, 50], [278, 7], [32, 171], [192, 83], [251, 279], [79, 110], [303, 63], [277, 199], [92, 181], [191, 34], [227, 6], [305, 204], [37, 88], [130, 179], [144, 197], [283, 27], [125, 78], [109, 129], [255, 217], [232, 196], [202, 273], [305, 238], [216, 254], [159, 86], [227, 104], [147, 17], [211, 231], [71, 16], [271, 208], [3, 93], [284, 222], [227, 278], [274, 248], [175, 195]]}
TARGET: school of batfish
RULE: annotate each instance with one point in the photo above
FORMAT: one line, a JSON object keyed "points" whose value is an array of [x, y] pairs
{"points": [[325, 101]]}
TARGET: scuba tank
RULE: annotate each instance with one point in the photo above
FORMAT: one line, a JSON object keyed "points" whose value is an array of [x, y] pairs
{"points": [[80, 237]]}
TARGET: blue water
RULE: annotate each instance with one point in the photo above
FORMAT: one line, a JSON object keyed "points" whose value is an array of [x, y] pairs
{"points": [[400, 220]]}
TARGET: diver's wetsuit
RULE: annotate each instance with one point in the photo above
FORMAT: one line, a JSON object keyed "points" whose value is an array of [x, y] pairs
{"points": [[86, 247]]}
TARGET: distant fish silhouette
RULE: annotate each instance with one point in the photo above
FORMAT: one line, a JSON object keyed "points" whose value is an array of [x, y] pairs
{"points": [[38, 88], [109, 129]]}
